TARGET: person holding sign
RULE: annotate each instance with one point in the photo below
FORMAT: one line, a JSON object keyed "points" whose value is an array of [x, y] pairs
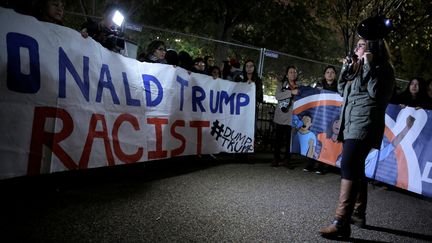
{"points": [[51, 11], [285, 92]]}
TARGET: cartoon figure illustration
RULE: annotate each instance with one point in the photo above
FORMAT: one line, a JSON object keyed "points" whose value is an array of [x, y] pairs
{"points": [[306, 138], [376, 156], [331, 148]]}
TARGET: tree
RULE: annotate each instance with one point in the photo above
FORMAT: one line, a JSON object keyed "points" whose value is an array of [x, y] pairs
{"points": [[411, 38], [315, 29]]}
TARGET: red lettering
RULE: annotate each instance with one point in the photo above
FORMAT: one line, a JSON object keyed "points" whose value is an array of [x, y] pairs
{"points": [[180, 137], [199, 125], [92, 134], [40, 137], [127, 158], [159, 153]]}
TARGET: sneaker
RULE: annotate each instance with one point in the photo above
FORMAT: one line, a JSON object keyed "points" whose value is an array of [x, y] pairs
{"points": [[318, 172], [306, 170]]}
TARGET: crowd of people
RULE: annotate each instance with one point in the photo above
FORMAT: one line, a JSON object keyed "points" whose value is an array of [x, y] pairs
{"points": [[418, 92], [366, 90]]}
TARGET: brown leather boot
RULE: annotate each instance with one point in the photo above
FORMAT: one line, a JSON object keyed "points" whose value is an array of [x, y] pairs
{"points": [[358, 217], [340, 228], [358, 220]]}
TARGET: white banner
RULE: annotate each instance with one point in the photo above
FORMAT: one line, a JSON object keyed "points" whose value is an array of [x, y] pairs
{"points": [[68, 103]]}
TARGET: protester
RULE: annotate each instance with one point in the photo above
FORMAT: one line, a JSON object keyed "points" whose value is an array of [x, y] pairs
{"points": [[171, 57], [49, 11], [327, 83], [156, 51], [209, 63], [215, 72], [199, 65], [185, 60], [226, 70], [366, 85], [414, 95], [329, 80], [286, 89], [250, 75], [236, 72]]}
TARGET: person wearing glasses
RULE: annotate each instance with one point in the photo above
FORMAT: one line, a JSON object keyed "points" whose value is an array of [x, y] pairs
{"points": [[366, 83], [199, 65], [156, 52]]}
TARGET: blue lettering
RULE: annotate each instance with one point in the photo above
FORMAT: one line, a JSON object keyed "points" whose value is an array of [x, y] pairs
{"points": [[183, 83], [241, 103], [214, 109], [65, 63], [16, 80], [106, 84], [225, 98], [197, 100], [129, 100], [147, 79]]}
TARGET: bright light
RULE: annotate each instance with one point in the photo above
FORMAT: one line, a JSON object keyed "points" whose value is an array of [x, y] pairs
{"points": [[177, 40], [118, 18], [388, 23]]}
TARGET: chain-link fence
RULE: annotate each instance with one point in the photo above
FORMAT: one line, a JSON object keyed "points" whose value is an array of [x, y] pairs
{"points": [[271, 64]]}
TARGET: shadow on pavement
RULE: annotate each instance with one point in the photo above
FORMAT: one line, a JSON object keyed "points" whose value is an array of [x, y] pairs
{"points": [[400, 232]]}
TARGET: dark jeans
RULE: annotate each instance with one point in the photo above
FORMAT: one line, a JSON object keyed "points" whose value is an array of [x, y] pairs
{"points": [[354, 155], [283, 138]]}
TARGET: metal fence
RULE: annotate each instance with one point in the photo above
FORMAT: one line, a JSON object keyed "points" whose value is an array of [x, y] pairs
{"points": [[271, 64]]}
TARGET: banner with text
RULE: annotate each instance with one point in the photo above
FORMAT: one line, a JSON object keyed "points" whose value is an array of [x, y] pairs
{"points": [[68, 103], [404, 159]]}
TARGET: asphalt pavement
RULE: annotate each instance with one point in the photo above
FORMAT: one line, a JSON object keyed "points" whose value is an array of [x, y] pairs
{"points": [[199, 199]]}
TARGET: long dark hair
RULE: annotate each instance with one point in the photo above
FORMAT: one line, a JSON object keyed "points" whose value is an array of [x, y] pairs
{"points": [[255, 76], [185, 60], [325, 85], [226, 70], [421, 95]]}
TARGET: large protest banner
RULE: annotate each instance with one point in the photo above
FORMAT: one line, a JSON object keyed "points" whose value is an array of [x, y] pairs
{"points": [[68, 103], [405, 157]]}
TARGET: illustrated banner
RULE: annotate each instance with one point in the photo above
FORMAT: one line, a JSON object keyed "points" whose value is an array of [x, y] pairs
{"points": [[68, 103], [405, 157]]}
